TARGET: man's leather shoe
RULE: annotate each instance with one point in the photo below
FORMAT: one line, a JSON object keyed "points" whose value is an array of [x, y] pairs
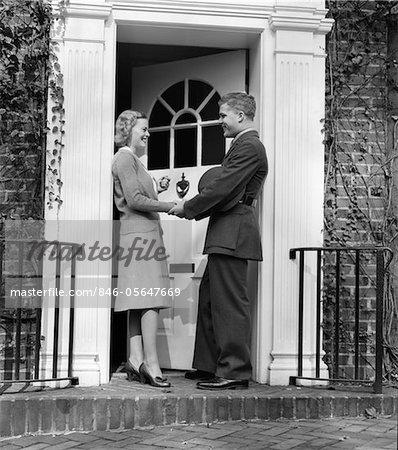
{"points": [[218, 383], [198, 375]]}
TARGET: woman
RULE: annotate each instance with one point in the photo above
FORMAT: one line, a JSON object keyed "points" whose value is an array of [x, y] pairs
{"points": [[145, 266]]}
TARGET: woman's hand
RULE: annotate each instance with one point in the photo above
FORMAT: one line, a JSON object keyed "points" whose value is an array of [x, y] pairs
{"points": [[163, 184], [177, 210], [170, 205]]}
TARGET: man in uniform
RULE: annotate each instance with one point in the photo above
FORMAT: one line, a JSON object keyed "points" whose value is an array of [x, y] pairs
{"points": [[222, 345]]}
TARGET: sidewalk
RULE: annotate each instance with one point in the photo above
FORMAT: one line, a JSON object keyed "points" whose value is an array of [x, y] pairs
{"points": [[347, 433]]}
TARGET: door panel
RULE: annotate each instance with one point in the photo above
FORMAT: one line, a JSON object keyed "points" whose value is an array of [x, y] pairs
{"points": [[182, 98]]}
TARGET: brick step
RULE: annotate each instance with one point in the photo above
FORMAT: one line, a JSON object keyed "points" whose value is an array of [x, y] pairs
{"points": [[123, 405]]}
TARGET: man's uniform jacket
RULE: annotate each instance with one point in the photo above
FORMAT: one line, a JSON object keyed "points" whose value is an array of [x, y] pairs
{"points": [[234, 232]]}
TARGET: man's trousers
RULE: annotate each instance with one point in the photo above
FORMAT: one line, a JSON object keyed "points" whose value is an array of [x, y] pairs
{"points": [[222, 344]]}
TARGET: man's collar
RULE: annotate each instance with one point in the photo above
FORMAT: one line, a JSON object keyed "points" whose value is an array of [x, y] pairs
{"points": [[242, 132]]}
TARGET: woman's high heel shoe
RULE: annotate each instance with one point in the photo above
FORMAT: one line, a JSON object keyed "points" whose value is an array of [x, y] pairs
{"points": [[153, 381], [133, 374]]}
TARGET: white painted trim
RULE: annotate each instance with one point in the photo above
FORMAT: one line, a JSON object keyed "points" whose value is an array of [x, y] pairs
{"points": [[204, 8], [299, 52], [301, 24], [89, 10], [266, 119], [272, 24], [180, 113], [106, 208], [300, 18], [206, 100], [165, 104], [85, 41]]}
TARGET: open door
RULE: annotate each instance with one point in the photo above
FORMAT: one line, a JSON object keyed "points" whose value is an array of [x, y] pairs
{"points": [[181, 100]]}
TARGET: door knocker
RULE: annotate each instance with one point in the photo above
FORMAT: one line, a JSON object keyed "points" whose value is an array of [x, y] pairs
{"points": [[182, 187]]}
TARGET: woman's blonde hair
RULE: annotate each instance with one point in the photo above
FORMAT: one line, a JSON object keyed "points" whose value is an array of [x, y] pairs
{"points": [[124, 124]]}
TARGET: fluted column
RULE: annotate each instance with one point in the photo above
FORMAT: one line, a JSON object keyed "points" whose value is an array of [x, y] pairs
{"points": [[298, 178], [85, 215]]}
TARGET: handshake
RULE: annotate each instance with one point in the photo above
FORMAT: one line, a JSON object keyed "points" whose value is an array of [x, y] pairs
{"points": [[177, 210]]}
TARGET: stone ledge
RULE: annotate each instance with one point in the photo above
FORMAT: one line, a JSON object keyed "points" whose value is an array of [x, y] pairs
{"points": [[122, 405]]}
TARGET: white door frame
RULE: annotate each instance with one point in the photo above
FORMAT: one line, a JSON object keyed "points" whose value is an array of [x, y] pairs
{"points": [[282, 40]]}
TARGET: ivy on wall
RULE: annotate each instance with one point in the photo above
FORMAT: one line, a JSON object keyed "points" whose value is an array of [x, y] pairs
{"points": [[29, 72], [31, 134], [360, 206], [53, 183], [24, 68]]}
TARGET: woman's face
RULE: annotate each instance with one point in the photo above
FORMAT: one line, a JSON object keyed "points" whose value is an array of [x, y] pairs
{"points": [[140, 134]]}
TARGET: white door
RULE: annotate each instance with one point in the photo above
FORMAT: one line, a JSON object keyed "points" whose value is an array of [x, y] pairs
{"points": [[180, 99]]}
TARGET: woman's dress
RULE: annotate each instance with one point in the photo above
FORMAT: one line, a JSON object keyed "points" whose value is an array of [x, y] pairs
{"points": [[143, 277]]}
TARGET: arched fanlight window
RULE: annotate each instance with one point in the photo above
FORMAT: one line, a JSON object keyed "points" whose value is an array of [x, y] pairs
{"points": [[184, 127]]}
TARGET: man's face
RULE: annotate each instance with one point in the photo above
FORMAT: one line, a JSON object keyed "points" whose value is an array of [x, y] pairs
{"points": [[230, 120]]}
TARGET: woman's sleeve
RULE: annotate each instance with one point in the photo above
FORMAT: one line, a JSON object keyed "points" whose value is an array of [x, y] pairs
{"points": [[126, 170]]}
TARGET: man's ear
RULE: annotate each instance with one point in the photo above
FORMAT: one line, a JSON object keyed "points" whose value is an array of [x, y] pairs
{"points": [[241, 116]]}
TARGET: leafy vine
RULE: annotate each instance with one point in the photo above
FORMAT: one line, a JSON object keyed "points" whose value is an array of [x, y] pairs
{"points": [[359, 170], [30, 74], [56, 127], [24, 51]]}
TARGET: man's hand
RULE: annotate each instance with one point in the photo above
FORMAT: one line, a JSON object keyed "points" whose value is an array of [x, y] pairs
{"points": [[178, 210]]}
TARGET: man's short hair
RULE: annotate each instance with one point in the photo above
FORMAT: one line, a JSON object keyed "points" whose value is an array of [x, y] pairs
{"points": [[240, 101]]}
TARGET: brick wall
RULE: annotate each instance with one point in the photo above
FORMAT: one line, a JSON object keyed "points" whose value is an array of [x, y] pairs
{"points": [[357, 179], [23, 104], [24, 58]]}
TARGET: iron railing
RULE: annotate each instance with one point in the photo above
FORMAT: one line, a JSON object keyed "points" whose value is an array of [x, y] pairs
{"points": [[19, 279], [383, 257]]}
